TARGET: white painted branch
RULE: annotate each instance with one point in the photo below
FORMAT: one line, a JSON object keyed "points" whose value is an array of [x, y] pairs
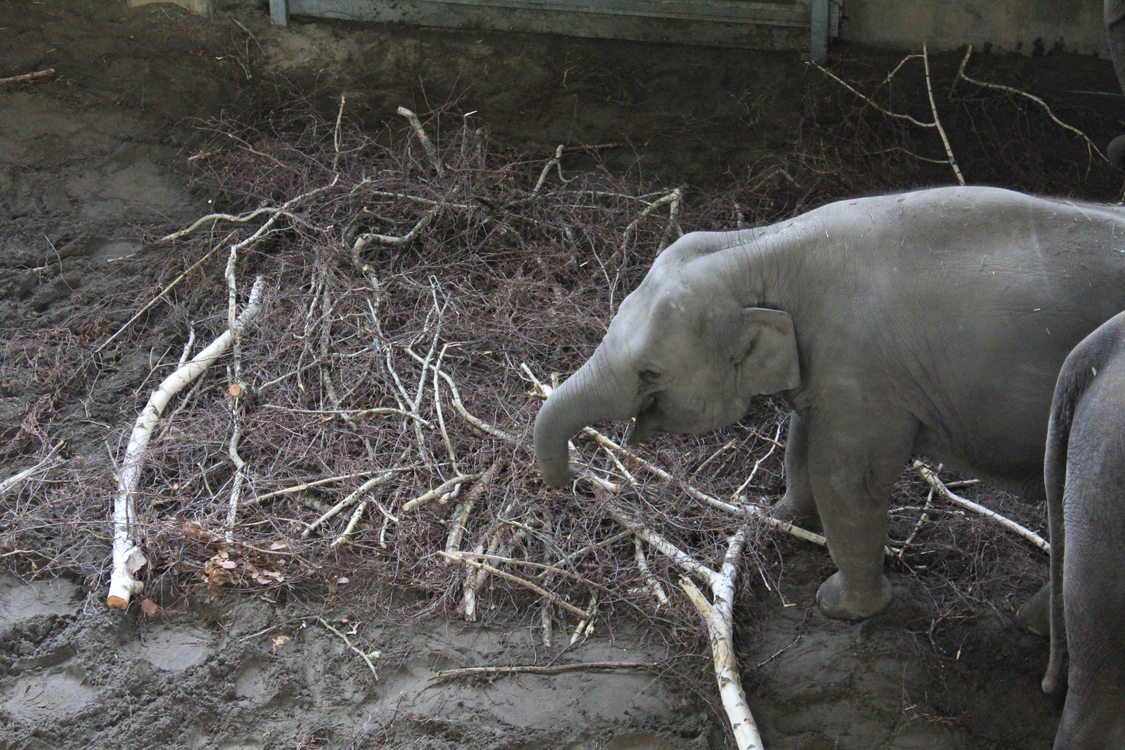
{"points": [[127, 555], [468, 559], [651, 581], [441, 490], [420, 134], [718, 616], [932, 479], [18, 477], [353, 496]]}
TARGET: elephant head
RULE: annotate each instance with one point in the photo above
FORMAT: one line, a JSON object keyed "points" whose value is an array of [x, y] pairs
{"points": [[679, 357]]}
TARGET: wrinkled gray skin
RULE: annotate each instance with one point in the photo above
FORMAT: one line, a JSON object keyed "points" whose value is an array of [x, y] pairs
{"points": [[932, 322], [1084, 474]]}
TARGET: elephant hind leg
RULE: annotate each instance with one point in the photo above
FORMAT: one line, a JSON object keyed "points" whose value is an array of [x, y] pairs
{"points": [[798, 505], [1115, 151], [1034, 615]]}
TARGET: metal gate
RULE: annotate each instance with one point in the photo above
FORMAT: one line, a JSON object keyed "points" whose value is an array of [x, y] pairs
{"points": [[754, 24]]}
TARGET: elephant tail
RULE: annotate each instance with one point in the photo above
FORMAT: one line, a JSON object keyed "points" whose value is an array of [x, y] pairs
{"points": [[1054, 480]]}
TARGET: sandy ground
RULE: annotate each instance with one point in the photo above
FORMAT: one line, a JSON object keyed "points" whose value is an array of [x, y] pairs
{"points": [[93, 160]]}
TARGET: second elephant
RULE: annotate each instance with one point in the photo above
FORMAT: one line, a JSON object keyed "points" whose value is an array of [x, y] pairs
{"points": [[1085, 479], [932, 323]]}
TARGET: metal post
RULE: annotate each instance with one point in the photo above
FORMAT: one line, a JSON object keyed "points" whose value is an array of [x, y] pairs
{"points": [[279, 12], [818, 31]]}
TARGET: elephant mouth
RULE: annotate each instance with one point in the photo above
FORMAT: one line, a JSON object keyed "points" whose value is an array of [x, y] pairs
{"points": [[646, 422]]}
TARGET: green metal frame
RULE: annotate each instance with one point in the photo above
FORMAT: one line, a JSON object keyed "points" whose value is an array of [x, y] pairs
{"points": [[755, 24]]}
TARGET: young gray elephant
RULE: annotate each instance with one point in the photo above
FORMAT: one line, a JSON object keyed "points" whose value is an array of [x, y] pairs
{"points": [[931, 322], [1085, 477]]}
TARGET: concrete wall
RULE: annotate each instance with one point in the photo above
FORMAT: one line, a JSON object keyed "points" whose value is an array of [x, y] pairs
{"points": [[1027, 26]]}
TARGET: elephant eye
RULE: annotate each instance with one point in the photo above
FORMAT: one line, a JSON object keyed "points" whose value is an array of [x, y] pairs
{"points": [[650, 376]]}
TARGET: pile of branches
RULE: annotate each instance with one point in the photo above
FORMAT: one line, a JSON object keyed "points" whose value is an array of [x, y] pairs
{"points": [[374, 319]]}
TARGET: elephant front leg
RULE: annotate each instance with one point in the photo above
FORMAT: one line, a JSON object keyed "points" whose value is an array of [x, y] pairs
{"points": [[854, 460], [797, 505]]}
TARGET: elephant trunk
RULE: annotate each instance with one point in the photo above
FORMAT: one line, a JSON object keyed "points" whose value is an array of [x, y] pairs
{"points": [[591, 394]]}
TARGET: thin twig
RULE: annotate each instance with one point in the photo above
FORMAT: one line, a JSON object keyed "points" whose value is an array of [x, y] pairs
{"points": [[303, 486], [550, 596], [48, 462], [455, 397], [367, 657], [464, 508], [367, 486], [1090, 147], [420, 134], [937, 121], [163, 293], [546, 669], [37, 75], [442, 489], [458, 555]]}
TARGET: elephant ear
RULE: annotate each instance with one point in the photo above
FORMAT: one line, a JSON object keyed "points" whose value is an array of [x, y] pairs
{"points": [[766, 352]]}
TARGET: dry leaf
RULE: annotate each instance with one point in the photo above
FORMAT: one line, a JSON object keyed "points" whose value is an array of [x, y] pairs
{"points": [[150, 608], [194, 530], [279, 642]]}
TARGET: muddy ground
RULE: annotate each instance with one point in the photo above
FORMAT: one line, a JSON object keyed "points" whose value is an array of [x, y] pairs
{"points": [[103, 157]]}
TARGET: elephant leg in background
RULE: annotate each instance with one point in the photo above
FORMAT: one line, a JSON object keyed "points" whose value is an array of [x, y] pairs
{"points": [[1034, 615], [798, 504], [1117, 46], [1116, 149], [853, 465], [1095, 603]]}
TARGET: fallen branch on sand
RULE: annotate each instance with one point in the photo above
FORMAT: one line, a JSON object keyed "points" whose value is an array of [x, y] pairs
{"points": [[37, 75], [544, 669], [127, 555], [717, 614], [932, 479], [367, 657]]}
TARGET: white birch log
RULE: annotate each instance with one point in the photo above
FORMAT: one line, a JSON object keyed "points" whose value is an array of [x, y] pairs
{"points": [[127, 555]]}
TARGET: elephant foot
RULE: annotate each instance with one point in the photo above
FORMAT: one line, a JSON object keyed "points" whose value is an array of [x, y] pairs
{"points": [[799, 511], [1034, 615], [840, 602]]}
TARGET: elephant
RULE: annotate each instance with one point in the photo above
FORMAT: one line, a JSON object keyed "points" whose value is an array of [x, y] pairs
{"points": [[1114, 16], [926, 323], [1084, 474]]}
